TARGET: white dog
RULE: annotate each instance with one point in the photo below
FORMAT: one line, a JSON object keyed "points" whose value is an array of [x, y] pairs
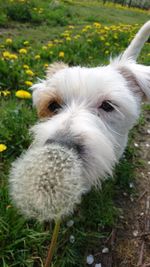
{"points": [[91, 110]]}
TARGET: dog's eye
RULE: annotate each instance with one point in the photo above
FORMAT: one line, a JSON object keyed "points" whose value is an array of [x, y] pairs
{"points": [[54, 107], [106, 106]]}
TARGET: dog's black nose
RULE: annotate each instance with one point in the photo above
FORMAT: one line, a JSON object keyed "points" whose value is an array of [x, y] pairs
{"points": [[67, 143]]}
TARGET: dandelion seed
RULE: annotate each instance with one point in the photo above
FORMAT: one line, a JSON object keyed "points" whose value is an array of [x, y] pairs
{"points": [[90, 259], [136, 145], [72, 239], [105, 250], [70, 223], [98, 265], [131, 185], [135, 233]]}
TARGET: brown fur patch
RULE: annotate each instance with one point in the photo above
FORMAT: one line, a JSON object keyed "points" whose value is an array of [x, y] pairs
{"points": [[42, 108]]}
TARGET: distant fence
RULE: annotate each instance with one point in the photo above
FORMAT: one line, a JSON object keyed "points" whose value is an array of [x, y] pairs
{"points": [[144, 4]]}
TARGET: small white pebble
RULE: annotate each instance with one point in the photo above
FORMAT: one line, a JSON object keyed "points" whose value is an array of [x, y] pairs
{"points": [[148, 131], [131, 185], [149, 162], [136, 145], [135, 233], [142, 213], [70, 223], [147, 145], [89, 259], [105, 250], [98, 265], [72, 239], [132, 199]]}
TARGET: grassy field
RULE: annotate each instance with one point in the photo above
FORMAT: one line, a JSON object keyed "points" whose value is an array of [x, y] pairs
{"points": [[34, 34]]}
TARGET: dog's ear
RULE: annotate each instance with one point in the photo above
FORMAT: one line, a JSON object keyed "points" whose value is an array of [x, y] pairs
{"points": [[40, 91], [137, 77], [54, 67]]}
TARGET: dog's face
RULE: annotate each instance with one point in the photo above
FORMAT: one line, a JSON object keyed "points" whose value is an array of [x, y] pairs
{"points": [[91, 110]]}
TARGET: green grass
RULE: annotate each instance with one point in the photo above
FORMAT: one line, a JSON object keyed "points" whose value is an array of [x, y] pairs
{"points": [[24, 242], [54, 19]]}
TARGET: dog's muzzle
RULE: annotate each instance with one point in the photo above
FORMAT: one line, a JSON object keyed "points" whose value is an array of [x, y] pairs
{"points": [[78, 148]]}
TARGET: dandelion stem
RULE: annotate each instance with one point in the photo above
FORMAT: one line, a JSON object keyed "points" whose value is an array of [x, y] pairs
{"points": [[53, 243]]}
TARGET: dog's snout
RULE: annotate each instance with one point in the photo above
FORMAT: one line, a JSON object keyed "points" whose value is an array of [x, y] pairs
{"points": [[67, 143]]}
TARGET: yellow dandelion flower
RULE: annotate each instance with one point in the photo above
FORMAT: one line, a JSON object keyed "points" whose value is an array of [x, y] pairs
{"points": [[68, 39], [77, 36], [61, 54], [6, 54], [2, 147], [13, 56], [25, 66], [50, 44], [8, 41], [44, 47], [26, 42], [37, 57], [23, 94], [46, 65], [97, 24], [71, 27], [84, 30], [29, 72], [88, 27], [28, 83], [106, 52], [5, 93], [23, 51], [102, 38]]}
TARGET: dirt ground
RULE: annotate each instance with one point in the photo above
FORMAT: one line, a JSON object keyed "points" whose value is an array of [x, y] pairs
{"points": [[129, 244], [132, 241]]}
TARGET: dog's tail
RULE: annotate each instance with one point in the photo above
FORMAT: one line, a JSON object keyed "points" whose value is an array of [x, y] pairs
{"points": [[137, 43]]}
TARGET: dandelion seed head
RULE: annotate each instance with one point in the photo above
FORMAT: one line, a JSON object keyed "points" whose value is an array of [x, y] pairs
{"points": [[46, 182]]}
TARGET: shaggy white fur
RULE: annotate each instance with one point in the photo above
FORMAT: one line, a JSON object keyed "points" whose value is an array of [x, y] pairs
{"points": [[85, 115]]}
